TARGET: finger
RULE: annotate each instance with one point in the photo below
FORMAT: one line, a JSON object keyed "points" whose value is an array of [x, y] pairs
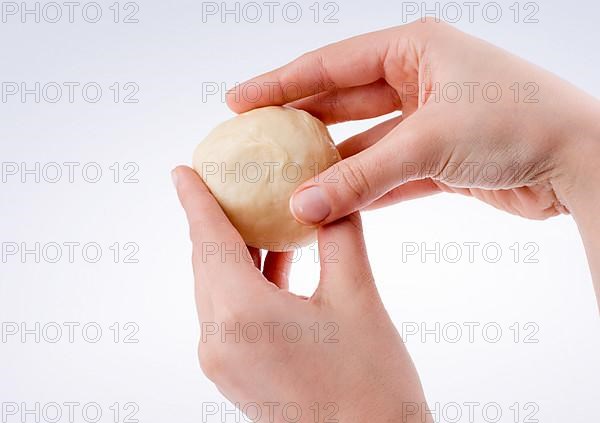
{"points": [[349, 63], [345, 266], [364, 140], [277, 268], [355, 103], [221, 260], [406, 153], [409, 191]]}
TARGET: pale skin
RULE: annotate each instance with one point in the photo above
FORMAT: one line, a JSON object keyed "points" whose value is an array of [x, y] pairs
{"points": [[547, 152], [355, 371]]}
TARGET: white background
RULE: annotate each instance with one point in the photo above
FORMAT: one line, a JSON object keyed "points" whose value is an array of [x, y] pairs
{"points": [[171, 54]]}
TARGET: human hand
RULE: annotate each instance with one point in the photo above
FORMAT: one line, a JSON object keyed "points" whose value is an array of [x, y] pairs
{"points": [[340, 358], [475, 120]]}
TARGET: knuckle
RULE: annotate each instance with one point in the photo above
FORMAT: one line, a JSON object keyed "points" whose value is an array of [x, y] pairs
{"points": [[314, 62], [430, 25], [325, 79], [234, 313], [220, 351], [338, 106], [212, 362], [356, 181], [429, 20]]}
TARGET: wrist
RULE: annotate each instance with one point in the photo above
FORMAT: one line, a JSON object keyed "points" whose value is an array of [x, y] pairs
{"points": [[577, 187], [577, 180]]}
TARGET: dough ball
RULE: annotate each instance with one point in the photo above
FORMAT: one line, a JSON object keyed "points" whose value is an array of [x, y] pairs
{"points": [[254, 162]]}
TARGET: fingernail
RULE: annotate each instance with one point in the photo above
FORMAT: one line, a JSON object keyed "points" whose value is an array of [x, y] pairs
{"points": [[310, 205], [174, 178]]}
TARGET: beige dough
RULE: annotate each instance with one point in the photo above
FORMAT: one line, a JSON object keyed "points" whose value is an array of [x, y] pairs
{"points": [[254, 162]]}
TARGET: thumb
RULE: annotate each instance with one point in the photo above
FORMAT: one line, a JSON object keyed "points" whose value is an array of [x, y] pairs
{"points": [[403, 155], [345, 267]]}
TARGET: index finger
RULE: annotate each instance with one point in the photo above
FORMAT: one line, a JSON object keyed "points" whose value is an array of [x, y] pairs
{"points": [[349, 63], [221, 259]]}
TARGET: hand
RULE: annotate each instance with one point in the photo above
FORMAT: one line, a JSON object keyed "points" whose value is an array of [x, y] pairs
{"points": [[348, 362], [475, 121]]}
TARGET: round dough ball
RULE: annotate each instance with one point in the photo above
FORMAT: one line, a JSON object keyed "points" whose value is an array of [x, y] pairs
{"points": [[254, 162]]}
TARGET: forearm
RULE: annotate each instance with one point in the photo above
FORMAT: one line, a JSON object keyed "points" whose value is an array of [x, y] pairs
{"points": [[579, 187], [590, 232], [586, 213]]}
